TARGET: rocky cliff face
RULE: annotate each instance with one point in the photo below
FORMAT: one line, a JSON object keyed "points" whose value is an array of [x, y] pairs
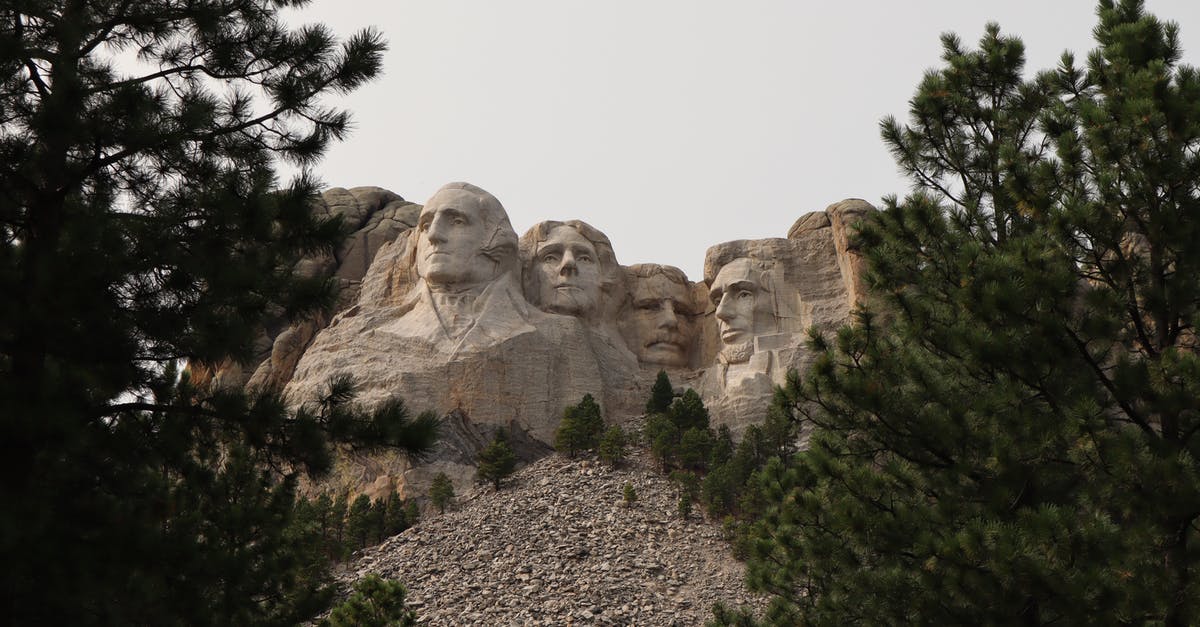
{"points": [[556, 546], [445, 306]]}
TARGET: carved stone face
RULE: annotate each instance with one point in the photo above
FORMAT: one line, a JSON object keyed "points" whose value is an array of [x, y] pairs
{"points": [[568, 273], [744, 307], [451, 234], [662, 321]]}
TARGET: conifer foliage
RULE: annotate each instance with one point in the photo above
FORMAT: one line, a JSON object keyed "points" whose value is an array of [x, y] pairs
{"points": [[141, 226], [1011, 432], [496, 461], [581, 427], [441, 492]]}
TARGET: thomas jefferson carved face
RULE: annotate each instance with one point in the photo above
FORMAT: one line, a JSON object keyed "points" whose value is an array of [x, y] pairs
{"points": [[452, 231], [661, 319], [744, 307], [568, 273]]}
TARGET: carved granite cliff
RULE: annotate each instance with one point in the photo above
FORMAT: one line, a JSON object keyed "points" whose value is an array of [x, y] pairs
{"points": [[446, 307]]}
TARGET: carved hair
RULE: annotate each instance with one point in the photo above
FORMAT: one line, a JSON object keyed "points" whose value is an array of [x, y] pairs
{"points": [[647, 270]]}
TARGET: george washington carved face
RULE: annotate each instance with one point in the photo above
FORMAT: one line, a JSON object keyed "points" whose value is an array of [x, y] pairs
{"points": [[463, 238]]}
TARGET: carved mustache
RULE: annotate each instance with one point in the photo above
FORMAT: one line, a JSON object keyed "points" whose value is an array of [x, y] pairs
{"points": [[666, 338]]}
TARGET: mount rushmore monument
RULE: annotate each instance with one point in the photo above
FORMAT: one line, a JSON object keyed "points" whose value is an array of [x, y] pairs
{"points": [[444, 305]]}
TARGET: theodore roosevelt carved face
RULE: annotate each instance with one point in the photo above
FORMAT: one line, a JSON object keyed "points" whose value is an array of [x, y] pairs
{"points": [[660, 315], [463, 238]]}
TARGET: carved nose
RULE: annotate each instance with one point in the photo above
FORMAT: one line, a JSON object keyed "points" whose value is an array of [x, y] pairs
{"points": [[666, 316], [723, 308], [567, 267], [435, 231]]}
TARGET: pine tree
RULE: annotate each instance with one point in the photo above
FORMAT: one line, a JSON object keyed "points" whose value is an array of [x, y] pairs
{"points": [[688, 411], [496, 461], [628, 495], [661, 395], [441, 492], [412, 513], [612, 446], [141, 226], [580, 428], [375, 602], [1010, 433], [395, 519], [339, 535], [695, 448], [663, 437], [359, 523]]}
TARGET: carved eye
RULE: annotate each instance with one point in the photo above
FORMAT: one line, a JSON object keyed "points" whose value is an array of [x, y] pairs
{"points": [[744, 294], [715, 297], [459, 221], [584, 258], [551, 258]]}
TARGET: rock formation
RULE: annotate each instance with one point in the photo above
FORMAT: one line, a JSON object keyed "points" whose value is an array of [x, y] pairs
{"points": [[445, 306]]}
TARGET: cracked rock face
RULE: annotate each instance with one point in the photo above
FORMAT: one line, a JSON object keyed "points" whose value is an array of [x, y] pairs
{"points": [[556, 546]]}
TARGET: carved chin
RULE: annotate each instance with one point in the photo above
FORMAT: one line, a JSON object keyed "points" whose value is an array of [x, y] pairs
{"points": [[737, 353]]}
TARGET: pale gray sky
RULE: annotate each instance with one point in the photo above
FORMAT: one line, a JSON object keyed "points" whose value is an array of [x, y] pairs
{"points": [[671, 125]]}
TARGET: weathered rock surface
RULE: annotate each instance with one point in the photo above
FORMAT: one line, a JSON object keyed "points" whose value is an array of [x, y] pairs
{"points": [[556, 546], [444, 306]]}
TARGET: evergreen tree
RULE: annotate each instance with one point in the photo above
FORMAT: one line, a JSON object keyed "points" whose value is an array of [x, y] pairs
{"points": [[496, 461], [663, 437], [141, 226], [695, 448], [412, 513], [339, 535], [1011, 433], [628, 495], [441, 492], [661, 395], [580, 428], [688, 412], [394, 518], [612, 446], [375, 602], [722, 448], [360, 523]]}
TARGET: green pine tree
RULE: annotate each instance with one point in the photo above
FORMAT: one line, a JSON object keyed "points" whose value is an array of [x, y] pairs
{"points": [[1010, 433], [581, 427], [412, 513], [663, 438], [360, 523], [612, 448], [143, 225], [661, 395], [375, 602], [628, 495], [441, 492], [688, 411], [395, 520], [496, 461]]}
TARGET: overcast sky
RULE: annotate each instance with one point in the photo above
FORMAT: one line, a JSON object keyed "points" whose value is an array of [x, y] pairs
{"points": [[670, 125]]}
